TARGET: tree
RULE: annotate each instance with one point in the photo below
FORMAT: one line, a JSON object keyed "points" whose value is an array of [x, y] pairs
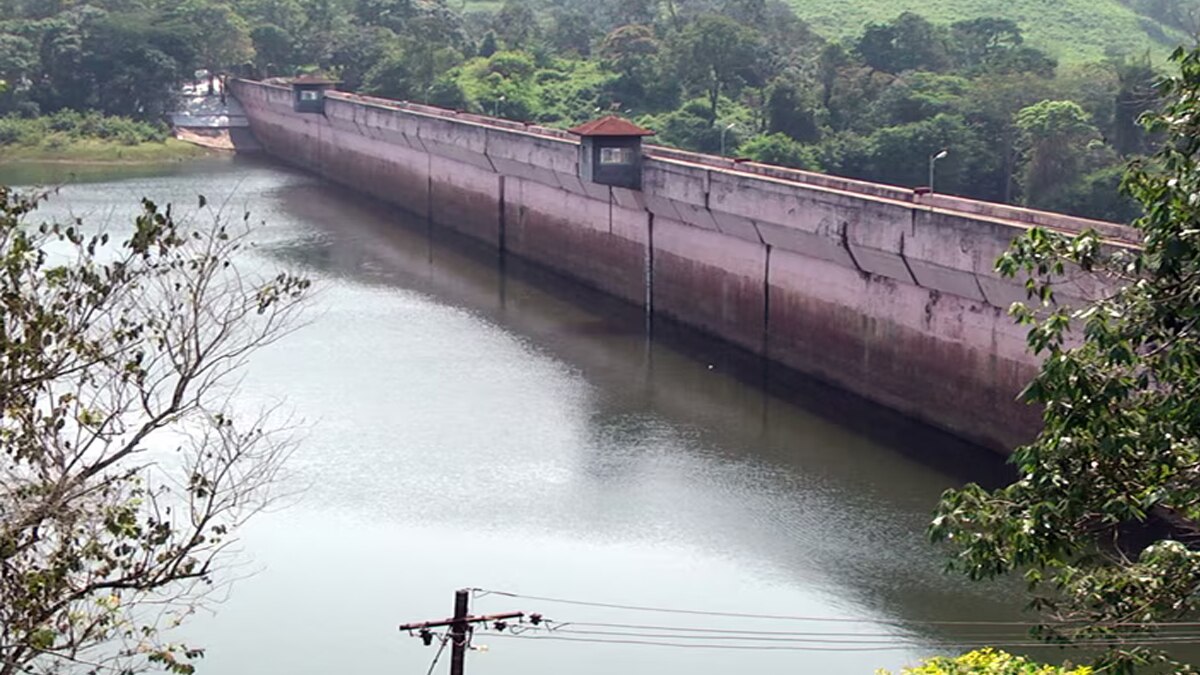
{"points": [[996, 45], [571, 32], [792, 110], [327, 29], [832, 60], [751, 13], [631, 52], [362, 48], [1135, 96], [125, 466], [1108, 493], [635, 11], [991, 106], [488, 45], [780, 150], [390, 77], [1095, 195], [715, 55], [516, 24], [918, 96], [980, 40], [274, 50], [1055, 138], [899, 155], [689, 127], [910, 42], [133, 65], [220, 35], [288, 15], [447, 93], [391, 14]]}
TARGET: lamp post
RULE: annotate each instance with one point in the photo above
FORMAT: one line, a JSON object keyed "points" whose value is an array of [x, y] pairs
{"points": [[496, 107], [723, 132], [933, 160]]}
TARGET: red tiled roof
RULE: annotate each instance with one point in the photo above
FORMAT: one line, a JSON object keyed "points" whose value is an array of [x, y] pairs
{"points": [[611, 126]]}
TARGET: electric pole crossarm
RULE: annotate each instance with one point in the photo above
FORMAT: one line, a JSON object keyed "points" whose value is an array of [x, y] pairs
{"points": [[461, 626], [470, 619]]}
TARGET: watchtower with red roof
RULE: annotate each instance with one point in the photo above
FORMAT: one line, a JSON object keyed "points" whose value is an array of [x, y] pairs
{"points": [[611, 152], [308, 93]]}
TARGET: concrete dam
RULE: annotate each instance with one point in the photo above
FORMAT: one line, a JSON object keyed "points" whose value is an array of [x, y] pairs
{"points": [[883, 291]]}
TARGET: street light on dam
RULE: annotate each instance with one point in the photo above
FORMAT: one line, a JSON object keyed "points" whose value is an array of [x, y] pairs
{"points": [[723, 132], [933, 160]]}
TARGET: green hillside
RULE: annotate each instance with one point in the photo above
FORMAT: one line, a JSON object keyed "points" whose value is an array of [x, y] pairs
{"points": [[1072, 30]]}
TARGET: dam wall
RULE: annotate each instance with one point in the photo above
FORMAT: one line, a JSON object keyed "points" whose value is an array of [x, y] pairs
{"points": [[877, 289]]}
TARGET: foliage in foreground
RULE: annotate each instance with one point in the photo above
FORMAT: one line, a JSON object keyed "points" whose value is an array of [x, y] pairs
{"points": [[1104, 517], [126, 465], [989, 662]]}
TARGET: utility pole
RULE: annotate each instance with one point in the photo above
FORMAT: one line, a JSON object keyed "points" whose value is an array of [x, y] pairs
{"points": [[458, 633], [461, 625]]}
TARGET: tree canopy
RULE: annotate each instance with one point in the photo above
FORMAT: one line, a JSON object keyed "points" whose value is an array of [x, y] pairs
{"points": [[752, 63], [1103, 517]]}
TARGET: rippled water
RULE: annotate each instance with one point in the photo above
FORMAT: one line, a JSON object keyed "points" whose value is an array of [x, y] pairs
{"points": [[472, 422]]}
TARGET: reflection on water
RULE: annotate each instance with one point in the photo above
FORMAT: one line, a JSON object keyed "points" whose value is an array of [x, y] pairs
{"points": [[473, 422]]}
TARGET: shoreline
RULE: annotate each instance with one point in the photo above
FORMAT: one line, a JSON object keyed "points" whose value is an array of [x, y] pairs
{"points": [[101, 153], [111, 162]]}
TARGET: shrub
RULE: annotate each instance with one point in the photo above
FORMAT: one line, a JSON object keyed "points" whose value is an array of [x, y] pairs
{"points": [[989, 662], [511, 65], [66, 126], [11, 131], [56, 141], [781, 150]]}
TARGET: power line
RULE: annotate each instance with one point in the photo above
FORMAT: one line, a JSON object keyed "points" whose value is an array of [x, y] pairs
{"points": [[864, 646], [738, 638], [694, 632], [694, 629], [1146, 640], [438, 655], [999, 634], [480, 592], [702, 646]]}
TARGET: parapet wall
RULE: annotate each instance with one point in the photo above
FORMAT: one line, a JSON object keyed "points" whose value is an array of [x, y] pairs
{"points": [[888, 293]]}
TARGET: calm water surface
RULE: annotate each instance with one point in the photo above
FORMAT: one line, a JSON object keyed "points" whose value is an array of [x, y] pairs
{"points": [[473, 423]]}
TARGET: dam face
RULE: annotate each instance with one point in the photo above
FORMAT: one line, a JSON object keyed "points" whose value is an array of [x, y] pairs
{"points": [[885, 292]]}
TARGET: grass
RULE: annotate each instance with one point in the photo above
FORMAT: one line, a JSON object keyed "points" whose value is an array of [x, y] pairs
{"points": [[94, 151], [1072, 30]]}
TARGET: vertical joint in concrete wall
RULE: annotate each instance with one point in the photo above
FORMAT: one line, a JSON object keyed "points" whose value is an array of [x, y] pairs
{"points": [[321, 151], [766, 326], [503, 218], [429, 186], [904, 259], [649, 281]]}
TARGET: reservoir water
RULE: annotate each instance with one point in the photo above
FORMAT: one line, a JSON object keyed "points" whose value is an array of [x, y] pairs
{"points": [[469, 422]]}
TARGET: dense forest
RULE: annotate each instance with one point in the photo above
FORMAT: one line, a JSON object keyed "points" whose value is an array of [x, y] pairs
{"points": [[743, 77]]}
